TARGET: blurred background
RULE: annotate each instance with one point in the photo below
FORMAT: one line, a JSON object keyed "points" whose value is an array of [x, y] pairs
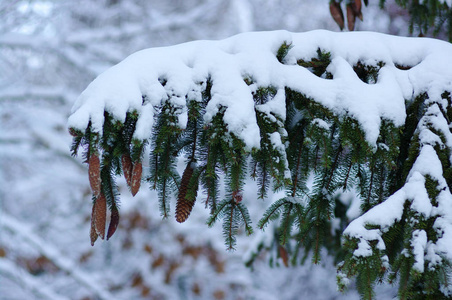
{"points": [[49, 52]]}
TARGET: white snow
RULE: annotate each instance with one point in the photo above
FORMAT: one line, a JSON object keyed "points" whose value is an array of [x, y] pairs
{"points": [[321, 123], [419, 243], [227, 62]]}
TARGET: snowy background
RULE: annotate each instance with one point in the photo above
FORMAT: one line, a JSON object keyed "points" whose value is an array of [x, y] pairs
{"points": [[49, 52]]}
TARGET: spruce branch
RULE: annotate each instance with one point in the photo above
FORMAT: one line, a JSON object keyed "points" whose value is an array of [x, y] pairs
{"points": [[217, 213], [271, 214], [245, 218], [314, 145], [286, 223], [283, 51]]}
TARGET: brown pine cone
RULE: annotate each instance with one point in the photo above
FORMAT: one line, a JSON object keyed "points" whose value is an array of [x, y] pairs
{"points": [[74, 132], [100, 215], [93, 234], [135, 181], [351, 16], [127, 168], [94, 174], [357, 8], [284, 255], [114, 221], [337, 14], [184, 205], [237, 196]]}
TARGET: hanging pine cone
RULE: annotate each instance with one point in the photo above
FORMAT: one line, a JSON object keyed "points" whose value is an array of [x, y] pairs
{"points": [[135, 181], [237, 196], [94, 174], [114, 221], [337, 14], [284, 255], [357, 6], [93, 234], [351, 16], [74, 132], [100, 215], [184, 204], [127, 168]]}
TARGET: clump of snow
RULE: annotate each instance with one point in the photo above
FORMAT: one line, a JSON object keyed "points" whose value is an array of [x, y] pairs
{"points": [[321, 123], [419, 243], [296, 200], [363, 249], [186, 67]]}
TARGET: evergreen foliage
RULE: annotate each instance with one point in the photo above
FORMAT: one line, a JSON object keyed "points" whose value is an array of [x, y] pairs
{"points": [[425, 15], [314, 154], [433, 16]]}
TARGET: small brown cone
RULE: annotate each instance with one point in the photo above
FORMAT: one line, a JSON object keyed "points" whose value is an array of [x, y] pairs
{"points": [[94, 174], [357, 6], [114, 221], [135, 181], [73, 132], [127, 168], [93, 234], [184, 205], [100, 215], [337, 14], [284, 256], [351, 16], [237, 196]]}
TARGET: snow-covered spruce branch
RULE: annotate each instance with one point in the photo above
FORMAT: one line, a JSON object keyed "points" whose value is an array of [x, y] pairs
{"points": [[420, 211], [314, 114]]}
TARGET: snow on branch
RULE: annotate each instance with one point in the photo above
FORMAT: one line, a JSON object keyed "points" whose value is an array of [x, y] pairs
{"points": [[136, 84]]}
